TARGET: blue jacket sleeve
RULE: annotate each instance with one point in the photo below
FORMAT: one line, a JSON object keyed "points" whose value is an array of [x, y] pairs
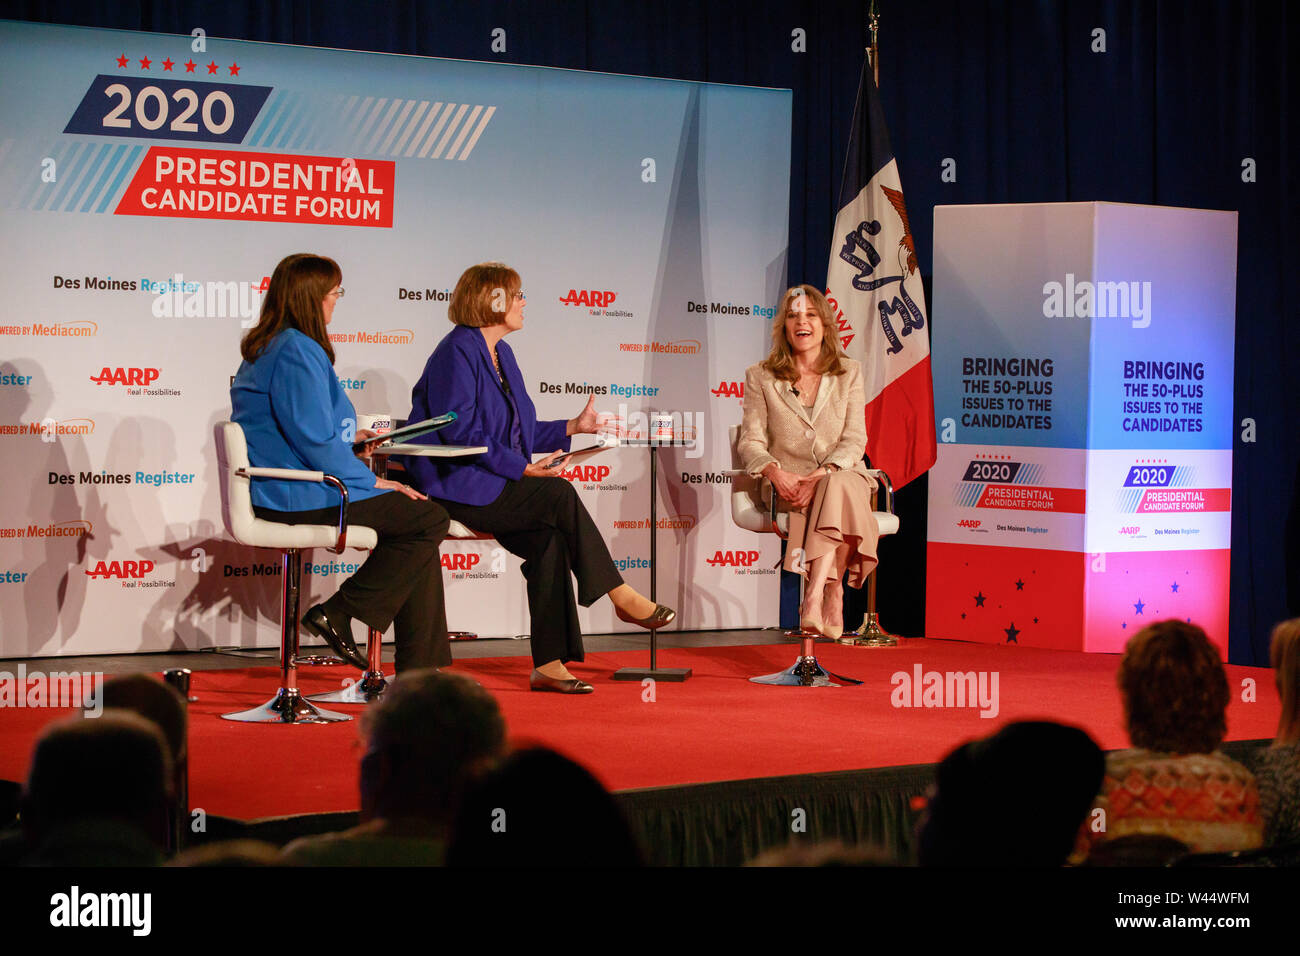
{"points": [[450, 385], [304, 411], [548, 436]]}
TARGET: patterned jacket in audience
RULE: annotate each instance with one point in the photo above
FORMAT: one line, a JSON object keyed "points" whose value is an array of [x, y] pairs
{"points": [[1207, 801]]}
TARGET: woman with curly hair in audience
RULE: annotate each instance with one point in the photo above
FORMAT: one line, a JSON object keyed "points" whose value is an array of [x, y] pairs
{"points": [[1173, 781]]}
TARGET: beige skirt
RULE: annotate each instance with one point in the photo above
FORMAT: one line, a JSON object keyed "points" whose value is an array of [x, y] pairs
{"points": [[838, 518]]}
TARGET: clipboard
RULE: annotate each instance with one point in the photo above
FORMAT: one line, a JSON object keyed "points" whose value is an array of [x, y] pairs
{"points": [[413, 430]]}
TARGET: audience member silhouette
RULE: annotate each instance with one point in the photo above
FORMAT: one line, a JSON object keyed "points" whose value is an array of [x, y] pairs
{"points": [[97, 793], [1277, 768], [540, 809], [1013, 799], [1137, 849], [429, 736], [831, 853], [150, 698], [229, 853]]}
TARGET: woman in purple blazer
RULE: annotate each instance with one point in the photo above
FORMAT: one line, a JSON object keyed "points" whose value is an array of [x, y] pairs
{"points": [[525, 505], [293, 412]]}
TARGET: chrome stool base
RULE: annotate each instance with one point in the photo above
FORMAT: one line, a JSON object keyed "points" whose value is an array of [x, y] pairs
{"points": [[806, 672], [318, 660], [370, 688], [373, 683], [287, 707]]}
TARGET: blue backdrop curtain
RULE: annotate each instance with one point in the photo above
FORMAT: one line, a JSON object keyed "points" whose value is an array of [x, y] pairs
{"points": [[1013, 92]]}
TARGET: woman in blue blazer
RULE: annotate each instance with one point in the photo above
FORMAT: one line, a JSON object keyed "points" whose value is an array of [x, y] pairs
{"points": [[295, 415], [533, 512]]}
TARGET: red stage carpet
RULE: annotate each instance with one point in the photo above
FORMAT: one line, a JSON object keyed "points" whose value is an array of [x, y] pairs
{"points": [[716, 726]]}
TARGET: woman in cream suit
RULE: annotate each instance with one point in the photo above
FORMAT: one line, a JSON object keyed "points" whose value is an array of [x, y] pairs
{"points": [[805, 431]]}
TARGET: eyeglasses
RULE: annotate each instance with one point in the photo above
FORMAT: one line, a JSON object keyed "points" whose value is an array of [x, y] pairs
{"points": [[339, 292], [519, 295]]}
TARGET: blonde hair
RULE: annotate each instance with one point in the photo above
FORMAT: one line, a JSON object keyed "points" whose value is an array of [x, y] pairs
{"points": [[780, 361], [477, 299]]}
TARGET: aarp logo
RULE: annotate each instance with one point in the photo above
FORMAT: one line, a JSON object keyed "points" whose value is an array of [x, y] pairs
{"points": [[733, 559], [121, 570], [591, 298], [126, 376], [587, 474]]}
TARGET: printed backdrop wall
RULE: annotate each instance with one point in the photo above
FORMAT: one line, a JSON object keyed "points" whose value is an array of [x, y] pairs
{"points": [[150, 186]]}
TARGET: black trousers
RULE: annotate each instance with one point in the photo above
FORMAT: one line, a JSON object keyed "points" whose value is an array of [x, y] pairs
{"points": [[543, 521], [400, 583]]}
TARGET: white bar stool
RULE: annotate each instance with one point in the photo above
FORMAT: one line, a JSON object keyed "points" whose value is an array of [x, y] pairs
{"points": [[749, 511], [288, 706]]}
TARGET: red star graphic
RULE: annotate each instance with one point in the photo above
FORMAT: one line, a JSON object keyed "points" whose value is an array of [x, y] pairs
{"points": [[212, 67], [122, 62], [190, 65], [168, 64], [234, 69], [144, 63]]}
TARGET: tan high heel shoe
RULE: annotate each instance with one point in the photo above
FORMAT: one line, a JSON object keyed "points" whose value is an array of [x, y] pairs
{"points": [[809, 622], [833, 610]]}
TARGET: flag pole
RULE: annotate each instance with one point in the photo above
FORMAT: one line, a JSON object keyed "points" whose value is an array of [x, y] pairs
{"points": [[869, 632], [873, 51]]}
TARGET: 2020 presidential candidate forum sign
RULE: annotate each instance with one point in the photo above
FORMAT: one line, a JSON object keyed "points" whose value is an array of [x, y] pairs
{"points": [[150, 183], [1083, 396]]}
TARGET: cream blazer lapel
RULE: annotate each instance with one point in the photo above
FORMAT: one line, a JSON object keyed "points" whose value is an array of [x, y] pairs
{"points": [[786, 391], [823, 397]]}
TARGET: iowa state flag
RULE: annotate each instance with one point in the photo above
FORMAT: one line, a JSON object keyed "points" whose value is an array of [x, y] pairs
{"points": [[875, 290]]}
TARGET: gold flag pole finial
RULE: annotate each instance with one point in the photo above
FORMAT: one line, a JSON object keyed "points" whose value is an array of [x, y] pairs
{"points": [[873, 51]]}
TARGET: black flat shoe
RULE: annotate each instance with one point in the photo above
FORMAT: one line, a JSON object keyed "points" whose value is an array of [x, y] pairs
{"points": [[539, 681], [340, 642], [658, 618]]}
